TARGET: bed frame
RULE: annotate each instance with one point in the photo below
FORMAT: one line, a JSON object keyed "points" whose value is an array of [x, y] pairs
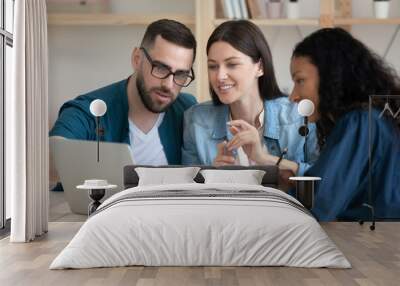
{"points": [[270, 179]]}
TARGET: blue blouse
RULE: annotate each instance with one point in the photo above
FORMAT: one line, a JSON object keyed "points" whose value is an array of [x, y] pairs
{"points": [[205, 127], [343, 166]]}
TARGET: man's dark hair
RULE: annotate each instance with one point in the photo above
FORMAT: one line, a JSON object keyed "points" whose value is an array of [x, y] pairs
{"points": [[247, 38], [348, 73], [172, 31]]}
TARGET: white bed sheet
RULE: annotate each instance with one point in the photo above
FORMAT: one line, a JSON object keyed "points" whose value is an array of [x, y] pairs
{"points": [[200, 231]]}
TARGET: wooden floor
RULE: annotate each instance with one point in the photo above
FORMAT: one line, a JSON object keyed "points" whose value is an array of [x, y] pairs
{"points": [[58, 211], [375, 257]]}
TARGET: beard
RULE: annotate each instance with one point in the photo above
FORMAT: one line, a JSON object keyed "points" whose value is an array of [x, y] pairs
{"points": [[145, 96]]}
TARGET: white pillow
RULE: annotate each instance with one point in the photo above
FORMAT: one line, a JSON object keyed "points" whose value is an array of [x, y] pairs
{"points": [[163, 176], [249, 177]]}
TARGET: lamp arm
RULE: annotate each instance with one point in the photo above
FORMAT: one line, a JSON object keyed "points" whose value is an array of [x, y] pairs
{"points": [[98, 137]]}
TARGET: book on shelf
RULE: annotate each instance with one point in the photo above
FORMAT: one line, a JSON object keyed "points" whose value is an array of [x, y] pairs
{"points": [[233, 9], [257, 9], [237, 14], [219, 9], [243, 9], [228, 9]]}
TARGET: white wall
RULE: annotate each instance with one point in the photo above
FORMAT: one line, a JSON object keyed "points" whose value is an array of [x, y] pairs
{"points": [[85, 58]]}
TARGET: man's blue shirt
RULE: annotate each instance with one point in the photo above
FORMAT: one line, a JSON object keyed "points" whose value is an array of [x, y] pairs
{"points": [[76, 122]]}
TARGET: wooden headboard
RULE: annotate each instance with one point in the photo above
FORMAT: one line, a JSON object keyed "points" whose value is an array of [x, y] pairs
{"points": [[270, 178]]}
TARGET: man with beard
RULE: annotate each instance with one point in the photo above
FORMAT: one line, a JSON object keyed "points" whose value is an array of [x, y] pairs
{"points": [[145, 110]]}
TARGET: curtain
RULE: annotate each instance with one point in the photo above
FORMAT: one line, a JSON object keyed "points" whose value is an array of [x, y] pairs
{"points": [[27, 123]]}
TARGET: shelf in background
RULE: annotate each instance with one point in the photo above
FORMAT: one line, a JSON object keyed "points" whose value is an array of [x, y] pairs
{"points": [[315, 22], [278, 22], [366, 21], [110, 19]]}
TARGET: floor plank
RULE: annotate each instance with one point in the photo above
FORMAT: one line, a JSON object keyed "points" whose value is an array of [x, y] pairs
{"points": [[375, 257]]}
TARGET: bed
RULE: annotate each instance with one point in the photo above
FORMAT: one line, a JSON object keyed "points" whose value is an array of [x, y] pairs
{"points": [[201, 224]]}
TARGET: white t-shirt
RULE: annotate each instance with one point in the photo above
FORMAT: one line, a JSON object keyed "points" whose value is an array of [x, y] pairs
{"points": [[147, 148], [242, 158]]}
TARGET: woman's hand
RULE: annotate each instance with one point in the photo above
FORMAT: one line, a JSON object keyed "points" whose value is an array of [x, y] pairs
{"points": [[247, 137], [284, 183], [224, 157]]}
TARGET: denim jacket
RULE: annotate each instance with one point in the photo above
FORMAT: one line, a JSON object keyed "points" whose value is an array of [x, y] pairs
{"points": [[205, 127]]}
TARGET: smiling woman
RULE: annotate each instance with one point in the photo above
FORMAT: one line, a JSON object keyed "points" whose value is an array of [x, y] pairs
{"points": [[249, 121]]}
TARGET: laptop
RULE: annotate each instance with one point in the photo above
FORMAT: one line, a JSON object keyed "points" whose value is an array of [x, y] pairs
{"points": [[76, 161]]}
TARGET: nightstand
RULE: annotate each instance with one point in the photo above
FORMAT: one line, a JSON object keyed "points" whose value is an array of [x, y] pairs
{"points": [[97, 189], [305, 190]]}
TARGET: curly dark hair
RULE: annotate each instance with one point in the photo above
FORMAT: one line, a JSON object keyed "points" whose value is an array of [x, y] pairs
{"points": [[349, 73], [247, 38]]}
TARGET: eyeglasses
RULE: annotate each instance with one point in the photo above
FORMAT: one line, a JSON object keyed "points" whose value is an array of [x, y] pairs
{"points": [[159, 70]]}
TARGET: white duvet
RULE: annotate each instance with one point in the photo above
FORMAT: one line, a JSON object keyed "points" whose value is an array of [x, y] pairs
{"points": [[187, 230]]}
